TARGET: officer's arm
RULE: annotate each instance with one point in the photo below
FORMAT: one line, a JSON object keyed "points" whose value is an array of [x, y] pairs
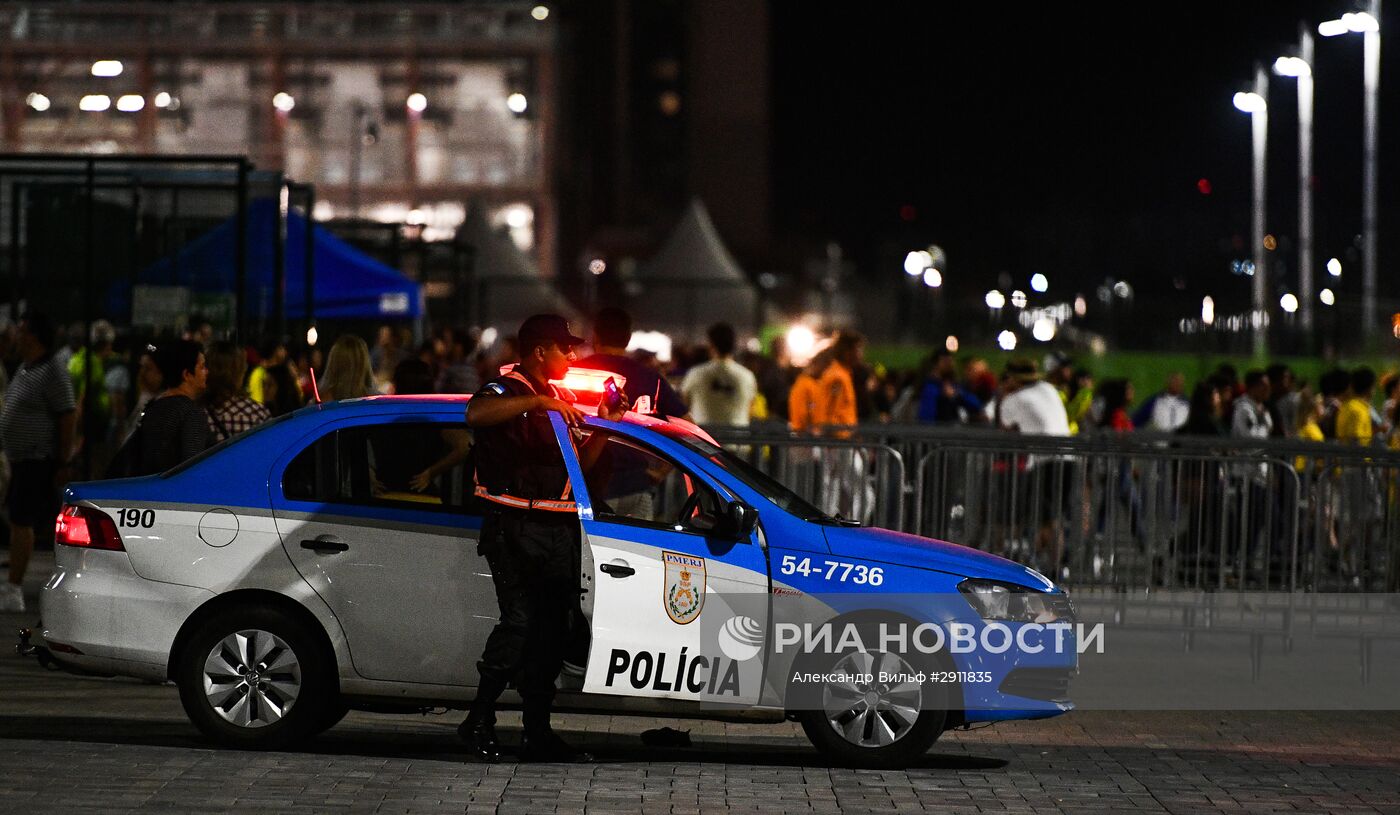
{"points": [[484, 411]]}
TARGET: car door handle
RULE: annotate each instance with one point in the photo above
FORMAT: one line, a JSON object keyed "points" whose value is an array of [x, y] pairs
{"points": [[324, 545], [618, 569]]}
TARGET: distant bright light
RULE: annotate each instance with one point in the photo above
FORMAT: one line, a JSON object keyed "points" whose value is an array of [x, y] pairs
{"points": [[1018, 299], [1039, 282], [1288, 302], [38, 101], [597, 266], [653, 341], [540, 13], [1270, 242], [415, 217], [1360, 22], [417, 102], [1332, 28], [488, 337], [1081, 306], [518, 217], [1250, 102], [1122, 289], [284, 102], [1327, 297], [1334, 267], [915, 262], [1006, 341], [94, 103], [995, 299], [951, 344], [162, 100], [517, 102], [1208, 310], [311, 335], [1044, 329], [801, 341], [1292, 66], [130, 103], [933, 278], [107, 67]]}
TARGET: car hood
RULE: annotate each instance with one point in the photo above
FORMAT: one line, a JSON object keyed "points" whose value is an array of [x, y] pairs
{"points": [[926, 553]]}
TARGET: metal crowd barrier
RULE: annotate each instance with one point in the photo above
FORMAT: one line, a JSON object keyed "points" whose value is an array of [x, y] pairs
{"points": [[1125, 511]]}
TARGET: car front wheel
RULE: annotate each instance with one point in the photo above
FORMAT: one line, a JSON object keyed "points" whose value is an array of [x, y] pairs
{"points": [[256, 679], [877, 724]]}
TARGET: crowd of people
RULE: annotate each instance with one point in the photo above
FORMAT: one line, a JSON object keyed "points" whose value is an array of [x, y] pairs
{"points": [[157, 403]]}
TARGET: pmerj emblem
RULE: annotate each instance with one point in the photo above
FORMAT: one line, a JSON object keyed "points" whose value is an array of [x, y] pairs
{"points": [[684, 594]]}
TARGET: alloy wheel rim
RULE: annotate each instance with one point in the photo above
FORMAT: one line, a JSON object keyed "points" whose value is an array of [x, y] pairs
{"points": [[872, 714], [252, 678]]}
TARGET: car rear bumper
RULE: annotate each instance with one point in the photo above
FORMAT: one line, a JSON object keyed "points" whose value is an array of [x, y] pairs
{"points": [[100, 616]]}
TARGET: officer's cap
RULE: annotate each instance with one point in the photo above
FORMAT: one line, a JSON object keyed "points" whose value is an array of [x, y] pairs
{"points": [[542, 329]]}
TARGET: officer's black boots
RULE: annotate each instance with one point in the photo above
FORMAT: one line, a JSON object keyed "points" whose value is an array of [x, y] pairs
{"points": [[480, 738], [545, 746]]}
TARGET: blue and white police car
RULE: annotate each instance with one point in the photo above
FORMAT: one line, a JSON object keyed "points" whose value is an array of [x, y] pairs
{"points": [[327, 561]]}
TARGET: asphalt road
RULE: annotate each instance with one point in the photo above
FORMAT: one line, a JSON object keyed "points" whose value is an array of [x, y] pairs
{"points": [[71, 744]]}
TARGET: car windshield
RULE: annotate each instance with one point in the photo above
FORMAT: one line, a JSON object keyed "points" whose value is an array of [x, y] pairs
{"points": [[754, 478]]}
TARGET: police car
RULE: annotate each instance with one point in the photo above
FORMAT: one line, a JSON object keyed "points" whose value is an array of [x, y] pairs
{"points": [[326, 561]]}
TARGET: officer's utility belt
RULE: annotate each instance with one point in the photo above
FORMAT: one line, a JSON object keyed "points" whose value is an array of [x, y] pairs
{"points": [[528, 504]]}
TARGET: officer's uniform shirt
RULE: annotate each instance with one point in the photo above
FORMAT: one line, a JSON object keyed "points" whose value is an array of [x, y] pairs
{"points": [[520, 457]]}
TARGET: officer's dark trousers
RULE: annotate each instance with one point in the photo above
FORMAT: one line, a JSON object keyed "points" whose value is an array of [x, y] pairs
{"points": [[534, 562]]}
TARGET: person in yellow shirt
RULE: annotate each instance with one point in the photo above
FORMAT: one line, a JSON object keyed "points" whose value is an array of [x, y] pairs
{"points": [[1309, 411], [1354, 424]]}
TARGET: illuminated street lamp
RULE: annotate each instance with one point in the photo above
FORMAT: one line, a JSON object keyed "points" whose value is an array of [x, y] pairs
{"points": [[1334, 267], [417, 102], [1327, 297], [1300, 68], [1367, 24], [1254, 103], [284, 102], [1288, 302]]}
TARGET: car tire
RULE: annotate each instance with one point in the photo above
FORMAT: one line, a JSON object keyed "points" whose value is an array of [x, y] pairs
{"points": [[840, 721], [256, 679]]}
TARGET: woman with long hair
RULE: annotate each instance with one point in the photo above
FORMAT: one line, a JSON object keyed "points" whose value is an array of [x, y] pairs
{"points": [[231, 411], [348, 374]]}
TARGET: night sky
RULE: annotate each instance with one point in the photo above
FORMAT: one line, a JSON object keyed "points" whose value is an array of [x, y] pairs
{"points": [[1043, 138]]}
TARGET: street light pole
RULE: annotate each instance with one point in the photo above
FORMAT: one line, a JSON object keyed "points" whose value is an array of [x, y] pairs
{"points": [[1256, 105], [1370, 179], [1368, 25], [1300, 67]]}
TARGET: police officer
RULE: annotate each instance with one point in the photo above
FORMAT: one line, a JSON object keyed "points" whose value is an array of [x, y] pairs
{"points": [[530, 536]]}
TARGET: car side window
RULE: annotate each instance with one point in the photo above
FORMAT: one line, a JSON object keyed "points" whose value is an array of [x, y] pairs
{"points": [[413, 465], [633, 484]]}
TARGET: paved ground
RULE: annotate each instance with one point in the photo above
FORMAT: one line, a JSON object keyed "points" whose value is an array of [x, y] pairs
{"points": [[107, 745]]}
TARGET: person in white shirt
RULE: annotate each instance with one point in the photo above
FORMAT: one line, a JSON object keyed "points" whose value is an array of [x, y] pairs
{"points": [[1166, 411], [721, 391], [1031, 405]]}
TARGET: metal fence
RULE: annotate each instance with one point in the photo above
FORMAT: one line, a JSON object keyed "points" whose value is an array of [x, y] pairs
{"points": [[1124, 511]]}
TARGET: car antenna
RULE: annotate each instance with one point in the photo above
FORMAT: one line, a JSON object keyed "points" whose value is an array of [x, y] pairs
{"points": [[315, 391]]}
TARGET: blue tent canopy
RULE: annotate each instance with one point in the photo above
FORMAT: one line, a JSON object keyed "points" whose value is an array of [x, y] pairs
{"points": [[348, 283]]}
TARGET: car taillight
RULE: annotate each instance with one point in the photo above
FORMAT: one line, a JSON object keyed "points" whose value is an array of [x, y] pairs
{"points": [[85, 526]]}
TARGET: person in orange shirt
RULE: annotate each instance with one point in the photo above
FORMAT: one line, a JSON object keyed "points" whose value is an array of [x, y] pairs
{"points": [[845, 488], [802, 398], [836, 391]]}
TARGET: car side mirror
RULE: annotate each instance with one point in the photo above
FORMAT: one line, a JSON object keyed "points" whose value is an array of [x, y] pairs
{"points": [[739, 519]]}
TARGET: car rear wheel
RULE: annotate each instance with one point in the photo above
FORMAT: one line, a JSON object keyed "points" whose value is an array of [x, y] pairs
{"points": [[256, 679], [880, 725]]}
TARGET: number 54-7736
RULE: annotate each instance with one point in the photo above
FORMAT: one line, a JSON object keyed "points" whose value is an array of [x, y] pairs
{"points": [[834, 570]]}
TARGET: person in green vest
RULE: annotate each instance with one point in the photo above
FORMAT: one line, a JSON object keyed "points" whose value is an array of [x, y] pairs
{"points": [[89, 365]]}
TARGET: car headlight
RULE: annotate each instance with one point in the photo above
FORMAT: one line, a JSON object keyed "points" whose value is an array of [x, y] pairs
{"points": [[1007, 601]]}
